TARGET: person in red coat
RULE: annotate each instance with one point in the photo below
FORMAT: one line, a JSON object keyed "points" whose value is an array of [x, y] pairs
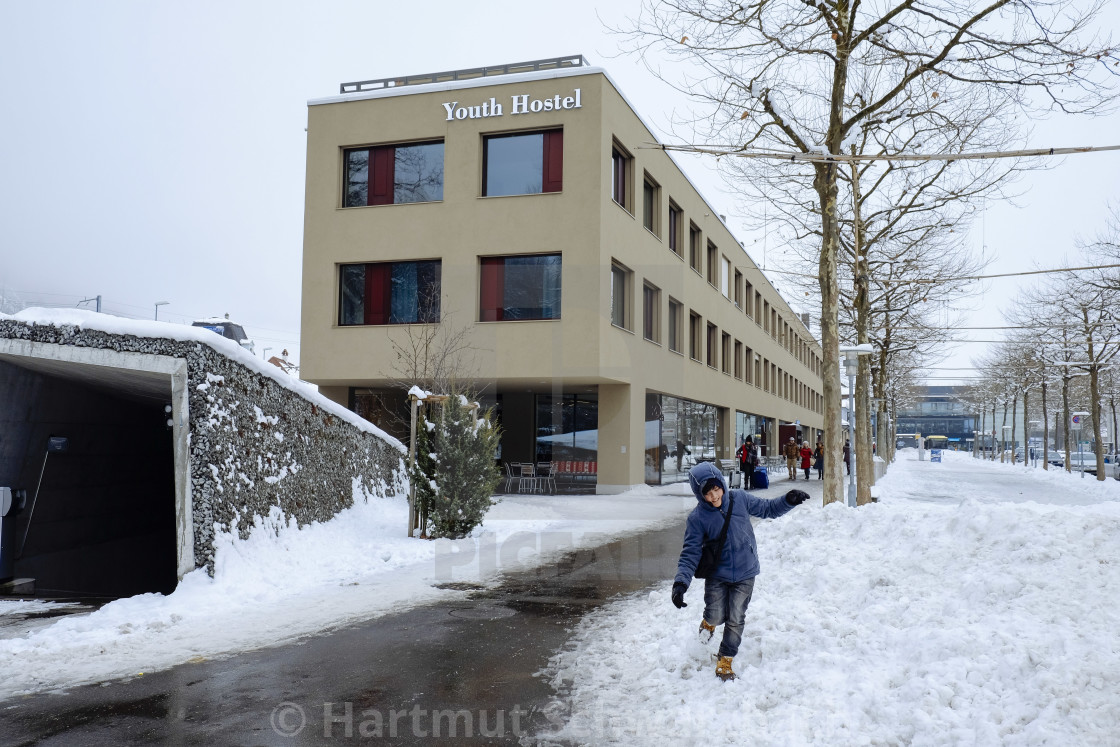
{"points": [[806, 455]]}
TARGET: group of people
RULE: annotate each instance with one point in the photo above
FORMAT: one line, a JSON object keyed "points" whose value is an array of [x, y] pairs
{"points": [[800, 454]]}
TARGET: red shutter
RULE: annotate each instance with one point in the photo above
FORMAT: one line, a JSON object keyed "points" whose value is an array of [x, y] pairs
{"points": [[381, 166], [491, 290], [553, 176], [379, 284]]}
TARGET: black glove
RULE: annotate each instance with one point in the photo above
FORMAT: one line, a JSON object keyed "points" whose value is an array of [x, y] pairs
{"points": [[796, 497], [679, 588]]}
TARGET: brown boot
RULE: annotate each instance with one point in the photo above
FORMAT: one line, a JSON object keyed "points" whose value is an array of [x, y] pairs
{"points": [[723, 669], [706, 631]]}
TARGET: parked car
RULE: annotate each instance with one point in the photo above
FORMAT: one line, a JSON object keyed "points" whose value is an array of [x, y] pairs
{"points": [[230, 330]]}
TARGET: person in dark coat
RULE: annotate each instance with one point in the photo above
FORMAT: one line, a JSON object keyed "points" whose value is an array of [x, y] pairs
{"points": [[727, 591], [848, 457], [748, 459], [818, 460]]}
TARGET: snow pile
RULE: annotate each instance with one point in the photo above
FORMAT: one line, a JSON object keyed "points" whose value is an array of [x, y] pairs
{"points": [[974, 605], [284, 583]]}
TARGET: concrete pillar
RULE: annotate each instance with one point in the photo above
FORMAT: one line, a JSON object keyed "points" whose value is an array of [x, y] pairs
{"points": [[621, 438]]}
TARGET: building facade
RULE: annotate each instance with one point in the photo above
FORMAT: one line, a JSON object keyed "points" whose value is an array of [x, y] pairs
{"points": [[939, 412], [618, 324]]}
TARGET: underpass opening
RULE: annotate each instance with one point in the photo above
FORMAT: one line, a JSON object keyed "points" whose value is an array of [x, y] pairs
{"points": [[103, 521]]}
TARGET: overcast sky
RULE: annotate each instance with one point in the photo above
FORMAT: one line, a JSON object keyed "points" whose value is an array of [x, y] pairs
{"points": [[154, 150]]}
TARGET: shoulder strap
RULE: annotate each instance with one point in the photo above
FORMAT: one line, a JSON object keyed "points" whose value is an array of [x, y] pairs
{"points": [[726, 521]]}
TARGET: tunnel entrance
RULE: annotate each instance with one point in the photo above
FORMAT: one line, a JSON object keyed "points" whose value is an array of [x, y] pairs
{"points": [[103, 524]]}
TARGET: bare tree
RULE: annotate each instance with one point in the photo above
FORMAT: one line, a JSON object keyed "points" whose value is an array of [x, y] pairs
{"points": [[810, 76]]}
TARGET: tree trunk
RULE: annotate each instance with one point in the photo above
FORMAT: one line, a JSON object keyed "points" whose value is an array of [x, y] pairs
{"points": [[865, 469], [1116, 436], [1095, 414], [1045, 430], [1065, 428], [1014, 407], [1026, 431], [995, 407], [825, 184]]}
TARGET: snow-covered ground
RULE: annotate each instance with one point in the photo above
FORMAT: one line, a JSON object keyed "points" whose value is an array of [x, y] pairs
{"points": [[284, 583], [976, 603]]}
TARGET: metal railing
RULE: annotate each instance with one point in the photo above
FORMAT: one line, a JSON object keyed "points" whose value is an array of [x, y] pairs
{"points": [[552, 63]]}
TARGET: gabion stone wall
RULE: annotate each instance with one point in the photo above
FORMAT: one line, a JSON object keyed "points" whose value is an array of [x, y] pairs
{"points": [[254, 443]]}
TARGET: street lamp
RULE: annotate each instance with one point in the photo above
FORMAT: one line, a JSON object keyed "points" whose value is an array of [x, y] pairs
{"points": [[851, 365], [975, 439], [158, 304]]}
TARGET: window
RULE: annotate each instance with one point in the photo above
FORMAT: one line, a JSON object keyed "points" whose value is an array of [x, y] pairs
{"points": [[389, 293], [651, 206], [676, 217], [525, 163], [748, 296], [725, 277], [620, 176], [748, 371], [676, 320], [713, 343], [694, 336], [651, 313], [738, 289], [713, 264], [694, 257], [620, 296], [725, 353], [393, 174], [738, 360], [519, 287]]}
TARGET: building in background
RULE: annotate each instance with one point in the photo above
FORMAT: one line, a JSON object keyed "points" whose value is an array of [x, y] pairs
{"points": [[619, 326], [939, 412]]}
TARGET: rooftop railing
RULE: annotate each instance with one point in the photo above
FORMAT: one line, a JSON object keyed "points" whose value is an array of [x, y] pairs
{"points": [[552, 63]]}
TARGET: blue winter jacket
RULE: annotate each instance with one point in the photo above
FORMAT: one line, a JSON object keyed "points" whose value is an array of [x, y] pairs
{"points": [[740, 554]]}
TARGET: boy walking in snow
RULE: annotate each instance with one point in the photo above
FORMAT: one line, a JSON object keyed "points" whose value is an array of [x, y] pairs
{"points": [[728, 588]]}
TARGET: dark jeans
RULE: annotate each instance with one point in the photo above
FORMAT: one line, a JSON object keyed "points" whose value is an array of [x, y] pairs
{"points": [[726, 604]]}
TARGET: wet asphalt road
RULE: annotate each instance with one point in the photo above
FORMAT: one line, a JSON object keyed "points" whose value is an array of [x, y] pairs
{"points": [[380, 682]]}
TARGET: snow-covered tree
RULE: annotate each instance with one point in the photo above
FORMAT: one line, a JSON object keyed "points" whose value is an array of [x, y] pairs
{"points": [[455, 473]]}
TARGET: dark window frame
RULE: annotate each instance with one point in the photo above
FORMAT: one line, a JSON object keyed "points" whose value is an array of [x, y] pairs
{"points": [[552, 160], [621, 178], [651, 312], [379, 284], [493, 289], [380, 186]]}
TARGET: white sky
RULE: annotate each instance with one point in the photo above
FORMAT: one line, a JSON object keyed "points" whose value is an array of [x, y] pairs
{"points": [[155, 151]]}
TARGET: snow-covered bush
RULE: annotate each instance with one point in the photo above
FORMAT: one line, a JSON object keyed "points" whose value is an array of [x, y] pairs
{"points": [[455, 474]]}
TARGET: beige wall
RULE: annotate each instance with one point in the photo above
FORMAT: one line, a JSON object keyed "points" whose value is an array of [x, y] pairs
{"points": [[582, 222]]}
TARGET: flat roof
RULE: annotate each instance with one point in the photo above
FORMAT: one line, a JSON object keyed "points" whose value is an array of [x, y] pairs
{"points": [[550, 63]]}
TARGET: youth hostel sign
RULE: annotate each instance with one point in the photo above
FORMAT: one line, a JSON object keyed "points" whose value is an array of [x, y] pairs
{"points": [[518, 104]]}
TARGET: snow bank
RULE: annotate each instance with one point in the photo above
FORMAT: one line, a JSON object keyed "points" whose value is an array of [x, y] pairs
{"points": [[973, 605]]}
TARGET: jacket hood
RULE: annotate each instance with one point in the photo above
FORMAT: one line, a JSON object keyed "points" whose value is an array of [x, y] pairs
{"points": [[699, 475]]}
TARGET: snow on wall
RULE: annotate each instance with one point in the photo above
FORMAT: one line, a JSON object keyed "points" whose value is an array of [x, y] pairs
{"points": [[255, 442]]}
